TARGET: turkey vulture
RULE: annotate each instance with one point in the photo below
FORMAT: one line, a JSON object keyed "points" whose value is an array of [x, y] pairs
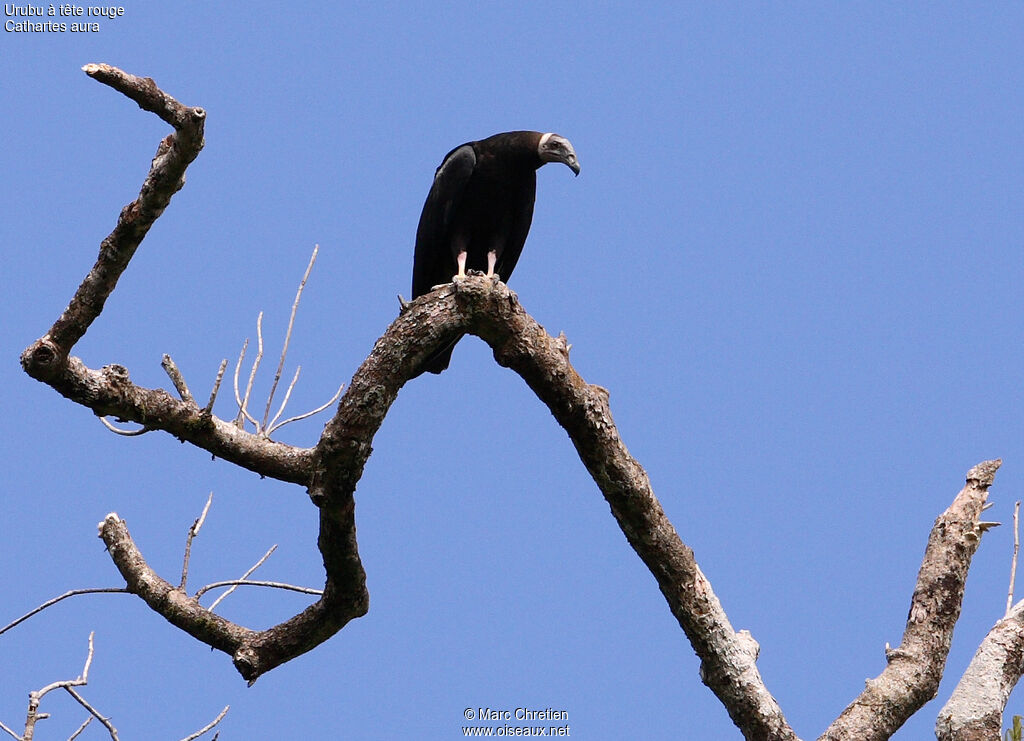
{"points": [[479, 210]]}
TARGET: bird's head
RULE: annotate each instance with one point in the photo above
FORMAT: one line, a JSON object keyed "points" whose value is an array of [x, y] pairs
{"points": [[555, 148]]}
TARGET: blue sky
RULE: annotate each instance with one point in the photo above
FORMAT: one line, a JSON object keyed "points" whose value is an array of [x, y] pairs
{"points": [[793, 256]]}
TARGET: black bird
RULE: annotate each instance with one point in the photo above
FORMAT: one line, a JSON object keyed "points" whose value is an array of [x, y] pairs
{"points": [[478, 212]]}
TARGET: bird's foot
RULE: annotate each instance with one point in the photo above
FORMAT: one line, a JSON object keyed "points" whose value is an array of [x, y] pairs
{"points": [[403, 305], [495, 278], [456, 279]]}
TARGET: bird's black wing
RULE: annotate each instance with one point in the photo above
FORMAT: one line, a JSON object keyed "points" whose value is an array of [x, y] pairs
{"points": [[434, 263], [521, 203]]}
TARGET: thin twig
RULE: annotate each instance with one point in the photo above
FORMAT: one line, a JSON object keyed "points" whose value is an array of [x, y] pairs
{"points": [[82, 679], [34, 698], [192, 533], [240, 419], [1016, 548], [55, 600], [271, 584], [319, 409], [177, 379], [245, 576], [88, 660], [13, 734], [81, 728], [95, 713], [252, 374], [208, 726], [288, 338], [216, 385], [268, 428], [127, 433]]}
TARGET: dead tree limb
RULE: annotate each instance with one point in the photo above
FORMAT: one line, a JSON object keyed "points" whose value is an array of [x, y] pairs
{"points": [[69, 685], [915, 666], [332, 468], [974, 712]]}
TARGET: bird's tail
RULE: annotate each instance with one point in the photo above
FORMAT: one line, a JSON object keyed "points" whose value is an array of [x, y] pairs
{"points": [[439, 360]]}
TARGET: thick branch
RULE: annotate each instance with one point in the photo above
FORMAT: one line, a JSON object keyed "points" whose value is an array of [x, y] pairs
{"points": [[172, 603], [727, 657], [166, 177], [915, 667], [487, 309], [974, 711], [253, 652], [333, 468], [109, 391]]}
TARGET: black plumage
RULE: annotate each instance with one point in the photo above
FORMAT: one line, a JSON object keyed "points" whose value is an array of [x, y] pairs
{"points": [[479, 210]]}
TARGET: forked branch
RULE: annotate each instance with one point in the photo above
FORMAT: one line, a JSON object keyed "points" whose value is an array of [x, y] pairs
{"points": [[70, 686], [265, 427], [332, 469], [915, 666]]}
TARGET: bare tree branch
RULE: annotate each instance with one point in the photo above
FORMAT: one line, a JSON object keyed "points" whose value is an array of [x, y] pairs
{"points": [[171, 368], [55, 600], [125, 433], [264, 428], [275, 425], [78, 731], [192, 533], [166, 177], [170, 602], [109, 390], [208, 409], [68, 685], [243, 401], [1016, 550], [331, 471], [11, 733], [915, 667], [974, 711], [268, 426], [253, 652], [249, 583], [36, 697], [245, 576], [287, 341], [94, 712], [488, 309], [209, 726]]}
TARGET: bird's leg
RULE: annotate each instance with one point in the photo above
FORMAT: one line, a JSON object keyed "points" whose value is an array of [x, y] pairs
{"points": [[461, 260], [492, 260]]}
